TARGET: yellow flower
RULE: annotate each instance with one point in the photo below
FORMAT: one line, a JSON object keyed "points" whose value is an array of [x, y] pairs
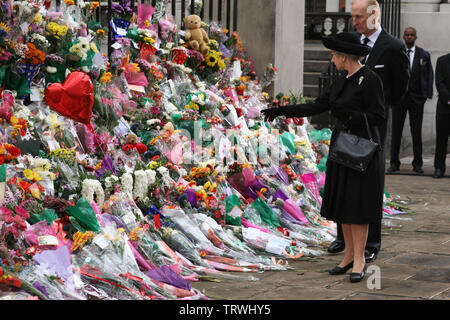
{"points": [[69, 2], [149, 40], [5, 27], [28, 173], [57, 30], [153, 165], [192, 105], [221, 64], [35, 192], [153, 141], [201, 194], [211, 60], [106, 77], [94, 5], [100, 32], [94, 47]]}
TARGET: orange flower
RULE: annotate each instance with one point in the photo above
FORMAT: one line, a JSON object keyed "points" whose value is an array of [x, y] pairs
{"points": [[12, 149], [33, 55]]}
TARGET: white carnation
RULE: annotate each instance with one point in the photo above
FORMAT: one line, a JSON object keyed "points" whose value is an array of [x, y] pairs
{"points": [[140, 184], [151, 176], [91, 187], [127, 184]]}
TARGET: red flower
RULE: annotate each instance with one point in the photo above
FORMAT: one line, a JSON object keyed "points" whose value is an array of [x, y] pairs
{"points": [[20, 222], [22, 212], [7, 215], [12, 149], [13, 230]]}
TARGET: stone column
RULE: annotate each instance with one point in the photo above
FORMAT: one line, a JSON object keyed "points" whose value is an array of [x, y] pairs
{"points": [[273, 32], [289, 45]]}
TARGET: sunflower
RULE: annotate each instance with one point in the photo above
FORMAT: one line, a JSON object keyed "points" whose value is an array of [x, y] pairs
{"points": [[4, 29], [211, 59]]}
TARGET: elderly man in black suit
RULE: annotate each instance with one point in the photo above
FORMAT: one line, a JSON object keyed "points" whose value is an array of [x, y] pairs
{"points": [[389, 60], [442, 114], [420, 88]]}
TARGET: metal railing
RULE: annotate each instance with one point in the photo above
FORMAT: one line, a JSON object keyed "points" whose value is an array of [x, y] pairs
{"points": [[390, 16], [321, 24], [224, 12]]}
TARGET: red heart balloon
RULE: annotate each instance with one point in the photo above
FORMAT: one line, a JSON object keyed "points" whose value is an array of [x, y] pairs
{"points": [[74, 98]]}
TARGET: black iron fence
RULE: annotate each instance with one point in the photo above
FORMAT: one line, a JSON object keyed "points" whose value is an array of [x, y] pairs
{"points": [[390, 16], [224, 12], [320, 24]]}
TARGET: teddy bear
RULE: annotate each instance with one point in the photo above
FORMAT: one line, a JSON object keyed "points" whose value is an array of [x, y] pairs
{"points": [[132, 143], [195, 34]]}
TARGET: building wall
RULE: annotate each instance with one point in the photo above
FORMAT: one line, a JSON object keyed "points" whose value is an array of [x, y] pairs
{"points": [[432, 31], [273, 32]]}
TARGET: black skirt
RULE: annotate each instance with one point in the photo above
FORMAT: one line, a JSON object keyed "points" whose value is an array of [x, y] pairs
{"points": [[353, 197]]}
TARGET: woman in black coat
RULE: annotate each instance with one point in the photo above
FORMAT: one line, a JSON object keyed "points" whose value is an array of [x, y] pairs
{"points": [[351, 198]]}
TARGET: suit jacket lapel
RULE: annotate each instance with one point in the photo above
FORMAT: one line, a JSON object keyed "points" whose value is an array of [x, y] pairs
{"points": [[377, 50], [417, 57]]}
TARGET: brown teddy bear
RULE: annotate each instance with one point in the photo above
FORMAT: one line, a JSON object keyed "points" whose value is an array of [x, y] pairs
{"points": [[195, 34], [132, 143]]}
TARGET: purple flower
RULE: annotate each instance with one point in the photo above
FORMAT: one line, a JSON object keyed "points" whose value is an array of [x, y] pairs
{"points": [[42, 289], [107, 164], [55, 58], [143, 64], [196, 55], [225, 52]]}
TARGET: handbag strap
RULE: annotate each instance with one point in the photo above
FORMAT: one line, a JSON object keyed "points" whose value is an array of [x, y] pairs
{"points": [[369, 133]]}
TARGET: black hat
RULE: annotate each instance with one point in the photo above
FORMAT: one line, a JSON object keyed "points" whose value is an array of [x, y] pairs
{"points": [[346, 42]]}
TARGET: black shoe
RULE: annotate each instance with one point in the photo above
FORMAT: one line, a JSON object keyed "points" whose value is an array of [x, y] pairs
{"points": [[357, 277], [336, 246], [339, 270], [370, 256], [438, 173], [418, 169], [393, 168]]}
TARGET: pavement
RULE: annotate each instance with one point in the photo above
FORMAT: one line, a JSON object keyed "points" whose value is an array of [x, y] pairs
{"points": [[413, 264]]}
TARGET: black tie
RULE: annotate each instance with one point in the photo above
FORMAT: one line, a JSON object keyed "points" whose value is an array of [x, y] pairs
{"points": [[365, 42], [409, 57]]}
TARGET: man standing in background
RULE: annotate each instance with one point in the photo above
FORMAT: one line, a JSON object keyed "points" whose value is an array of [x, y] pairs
{"points": [[420, 88], [442, 114]]}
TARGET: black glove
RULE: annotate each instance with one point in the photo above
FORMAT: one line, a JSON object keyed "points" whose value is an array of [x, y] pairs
{"points": [[271, 113]]}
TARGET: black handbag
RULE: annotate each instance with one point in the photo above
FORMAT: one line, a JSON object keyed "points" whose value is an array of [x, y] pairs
{"points": [[353, 151]]}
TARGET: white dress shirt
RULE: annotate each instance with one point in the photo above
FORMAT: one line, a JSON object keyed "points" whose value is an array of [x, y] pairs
{"points": [[372, 39], [411, 56]]}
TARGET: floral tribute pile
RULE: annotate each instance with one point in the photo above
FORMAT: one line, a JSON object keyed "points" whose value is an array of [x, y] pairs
{"points": [[136, 175]]}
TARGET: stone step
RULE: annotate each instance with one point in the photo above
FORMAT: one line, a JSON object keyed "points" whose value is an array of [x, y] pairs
{"points": [[317, 54], [314, 66], [310, 90], [311, 78]]}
